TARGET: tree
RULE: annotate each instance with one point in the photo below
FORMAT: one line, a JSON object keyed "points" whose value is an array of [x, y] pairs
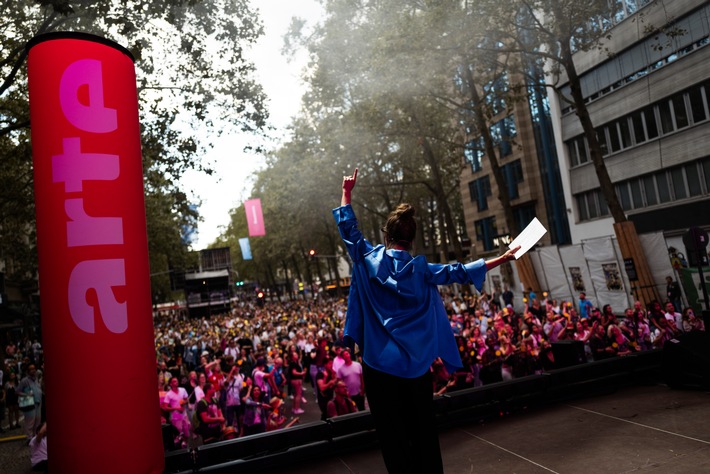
{"points": [[553, 30], [194, 85], [376, 72]]}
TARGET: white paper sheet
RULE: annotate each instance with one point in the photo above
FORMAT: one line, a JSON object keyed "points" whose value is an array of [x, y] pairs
{"points": [[528, 237]]}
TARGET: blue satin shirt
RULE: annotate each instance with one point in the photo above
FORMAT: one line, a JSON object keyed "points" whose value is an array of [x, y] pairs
{"points": [[395, 313]]}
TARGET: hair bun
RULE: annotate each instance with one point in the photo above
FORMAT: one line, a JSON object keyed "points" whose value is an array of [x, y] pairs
{"points": [[405, 210]]}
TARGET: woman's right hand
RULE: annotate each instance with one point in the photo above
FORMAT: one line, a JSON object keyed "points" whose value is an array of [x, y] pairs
{"points": [[349, 182], [348, 185]]}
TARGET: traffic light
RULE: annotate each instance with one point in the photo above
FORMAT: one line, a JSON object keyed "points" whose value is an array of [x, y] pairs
{"points": [[239, 283], [260, 299], [311, 253]]}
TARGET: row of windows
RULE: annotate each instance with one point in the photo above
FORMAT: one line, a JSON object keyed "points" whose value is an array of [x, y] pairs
{"points": [[480, 189], [617, 11], [672, 184], [662, 118], [502, 132]]}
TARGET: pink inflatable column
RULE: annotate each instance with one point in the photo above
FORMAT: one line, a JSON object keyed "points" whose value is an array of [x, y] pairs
{"points": [[100, 377]]}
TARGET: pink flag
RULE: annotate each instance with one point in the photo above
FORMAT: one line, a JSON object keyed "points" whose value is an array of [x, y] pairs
{"points": [[255, 219]]}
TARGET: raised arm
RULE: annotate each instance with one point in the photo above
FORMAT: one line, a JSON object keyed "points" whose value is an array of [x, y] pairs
{"points": [[348, 185]]}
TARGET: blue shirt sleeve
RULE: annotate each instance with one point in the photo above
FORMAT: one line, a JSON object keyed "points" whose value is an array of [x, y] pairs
{"points": [[444, 274], [356, 244]]}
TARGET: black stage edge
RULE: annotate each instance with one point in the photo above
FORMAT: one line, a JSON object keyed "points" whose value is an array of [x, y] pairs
{"points": [[301, 443]]}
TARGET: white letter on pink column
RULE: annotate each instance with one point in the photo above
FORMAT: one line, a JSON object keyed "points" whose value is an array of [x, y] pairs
{"points": [[74, 167], [91, 117], [101, 276], [84, 230]]}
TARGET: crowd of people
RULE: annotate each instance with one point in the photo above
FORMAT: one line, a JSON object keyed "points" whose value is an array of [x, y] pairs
{"points": [[248, 371], [259, 360], [22, 397]]}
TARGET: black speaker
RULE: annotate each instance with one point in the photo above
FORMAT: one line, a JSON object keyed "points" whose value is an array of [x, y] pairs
{"points": [[686, 361], [568, 353], [169, 434]]}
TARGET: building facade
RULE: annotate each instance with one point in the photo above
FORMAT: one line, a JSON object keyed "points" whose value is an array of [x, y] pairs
{"points": [[527, 155], [649, 99]]}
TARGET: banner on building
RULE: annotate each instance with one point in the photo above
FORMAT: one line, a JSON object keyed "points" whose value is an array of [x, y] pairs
{"points": [[255, 218]]}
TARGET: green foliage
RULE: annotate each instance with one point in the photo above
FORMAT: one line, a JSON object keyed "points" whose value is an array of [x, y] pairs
{"points": [[194, 85], [380, 99]]}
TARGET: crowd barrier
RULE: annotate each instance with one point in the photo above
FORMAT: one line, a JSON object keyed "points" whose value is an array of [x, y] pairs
{"points": [[309, 441]]}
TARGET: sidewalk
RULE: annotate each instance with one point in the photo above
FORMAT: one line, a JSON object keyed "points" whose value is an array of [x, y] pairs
{"points": [[14, 453]]}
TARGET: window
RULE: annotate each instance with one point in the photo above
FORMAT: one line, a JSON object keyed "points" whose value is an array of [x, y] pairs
{"points": [[486, 231], [573, 153], [504, 132], [592, 205], [578, 151], [474, 153], [636, 198], [631, 7], [524, 215], [494, 93], [649, 117], [637, 124], [705, 165], [625, 133], [622, 190], [614, 138], [513, 174], [693, 177], [582, 207], [618, 8], [678, 183], [664, 111], [679, 111], [479, 190], [649, 189], [601, 137], [603, 206], [697, 104], [664, 193]]}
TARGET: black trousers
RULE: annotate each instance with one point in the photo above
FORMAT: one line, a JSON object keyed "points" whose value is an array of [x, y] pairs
{"points": [[403, 412]]}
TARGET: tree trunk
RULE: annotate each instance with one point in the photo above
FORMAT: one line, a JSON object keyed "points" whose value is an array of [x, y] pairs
{"points": [[645, 289], [595, 151], [482, 127], [526, 271], [440, 194], [624, 229]]}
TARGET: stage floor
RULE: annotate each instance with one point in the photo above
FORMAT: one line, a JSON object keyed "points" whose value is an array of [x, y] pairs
{"points": [[637, 429]]}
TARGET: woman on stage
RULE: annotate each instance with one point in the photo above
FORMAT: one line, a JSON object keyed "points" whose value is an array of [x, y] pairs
{"points": [[396, 316]]}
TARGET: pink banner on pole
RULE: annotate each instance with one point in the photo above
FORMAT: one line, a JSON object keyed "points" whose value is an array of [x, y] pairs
{"points": [[93, 257], [255, 218]]}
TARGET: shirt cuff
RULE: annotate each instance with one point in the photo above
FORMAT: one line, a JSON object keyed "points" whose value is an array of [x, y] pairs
{"points": [[477, 273], [343, 213]]}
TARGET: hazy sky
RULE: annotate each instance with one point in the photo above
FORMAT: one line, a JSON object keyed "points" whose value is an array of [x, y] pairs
{"points": [[230, 185]]}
